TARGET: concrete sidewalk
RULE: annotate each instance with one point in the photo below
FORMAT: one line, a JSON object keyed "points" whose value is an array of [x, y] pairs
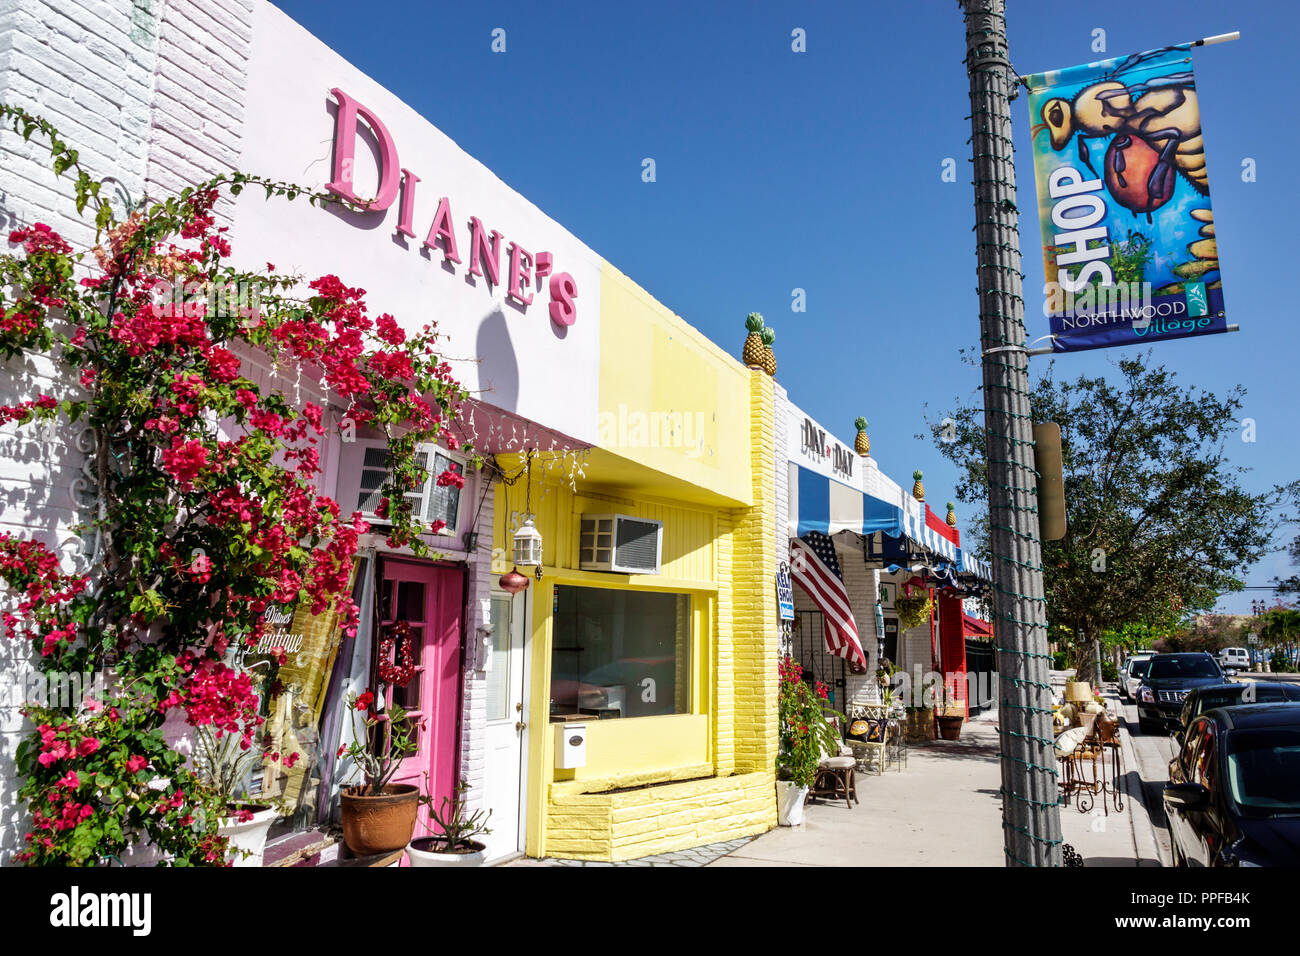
{"points": [[1105, 836], [942, 809]]}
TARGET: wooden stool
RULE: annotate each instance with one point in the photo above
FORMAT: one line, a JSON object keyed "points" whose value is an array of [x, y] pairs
{"points": [[836, 779]]}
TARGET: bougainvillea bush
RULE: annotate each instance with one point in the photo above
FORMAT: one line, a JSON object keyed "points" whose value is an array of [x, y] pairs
{"points": [[207, 511]]}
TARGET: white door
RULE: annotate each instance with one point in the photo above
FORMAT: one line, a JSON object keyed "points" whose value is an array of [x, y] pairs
{"points": [[506, 730]]}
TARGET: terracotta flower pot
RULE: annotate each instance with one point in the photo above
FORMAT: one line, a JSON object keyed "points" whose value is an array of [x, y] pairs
{"points": [[380, 824], [422, 852], [950, 727]]}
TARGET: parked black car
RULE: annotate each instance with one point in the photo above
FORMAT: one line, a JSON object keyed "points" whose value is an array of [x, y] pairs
{"points": [[1201, 699], [1167, 681], [1233, 797]]}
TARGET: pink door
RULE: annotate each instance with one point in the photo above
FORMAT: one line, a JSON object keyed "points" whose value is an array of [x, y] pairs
{"points": [[429, 599]]}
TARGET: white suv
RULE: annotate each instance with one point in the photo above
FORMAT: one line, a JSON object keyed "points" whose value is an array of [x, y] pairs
{"points": [[1234, 659]]}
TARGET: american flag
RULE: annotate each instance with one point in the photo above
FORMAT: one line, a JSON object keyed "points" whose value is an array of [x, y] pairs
{"points": [[815, 568]]}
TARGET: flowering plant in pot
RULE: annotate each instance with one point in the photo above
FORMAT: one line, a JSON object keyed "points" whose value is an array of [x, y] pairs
{"points": [[378, 815], [805, 737], [453, 843], [225, 765]]}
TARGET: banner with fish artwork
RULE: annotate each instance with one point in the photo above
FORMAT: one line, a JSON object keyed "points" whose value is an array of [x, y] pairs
{"points": [[1129, 247]]}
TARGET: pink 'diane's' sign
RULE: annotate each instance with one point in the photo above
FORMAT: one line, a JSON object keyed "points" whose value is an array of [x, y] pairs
{"points": [[484, 249]]}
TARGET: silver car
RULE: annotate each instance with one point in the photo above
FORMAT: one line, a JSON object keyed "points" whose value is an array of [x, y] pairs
{"points": [[1131, 674]]}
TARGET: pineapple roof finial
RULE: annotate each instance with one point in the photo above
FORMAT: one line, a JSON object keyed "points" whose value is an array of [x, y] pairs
{"points": [[952, 515], [754, 322], [769, 335], [860, 423]]}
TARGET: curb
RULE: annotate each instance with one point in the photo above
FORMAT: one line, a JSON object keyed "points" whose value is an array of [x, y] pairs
{"points": [[1145, 847]]}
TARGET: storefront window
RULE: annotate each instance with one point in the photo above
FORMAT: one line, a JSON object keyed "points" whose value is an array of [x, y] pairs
{"points": [[620, 653]]}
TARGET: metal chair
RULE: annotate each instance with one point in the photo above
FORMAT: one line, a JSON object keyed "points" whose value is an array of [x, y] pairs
{"points": [[872, 744]]}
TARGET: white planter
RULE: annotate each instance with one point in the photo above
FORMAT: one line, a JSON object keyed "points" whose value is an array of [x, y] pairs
{"points": [[144, 853], [249, 836], [427, 858], [789, 803]]}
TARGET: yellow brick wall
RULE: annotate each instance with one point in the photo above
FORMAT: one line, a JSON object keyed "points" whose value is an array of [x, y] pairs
{"points": [[624, 826], [755, 629], [724, 659]]}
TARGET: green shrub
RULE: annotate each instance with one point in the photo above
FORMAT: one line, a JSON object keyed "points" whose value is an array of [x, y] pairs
{"points": [[1060, 660]]}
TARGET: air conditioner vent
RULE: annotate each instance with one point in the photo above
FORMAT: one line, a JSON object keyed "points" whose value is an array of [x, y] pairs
{"points": [[620, 543]]}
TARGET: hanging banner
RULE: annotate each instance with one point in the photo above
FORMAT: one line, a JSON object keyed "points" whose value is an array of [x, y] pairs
{"points": [[1129, 247]]}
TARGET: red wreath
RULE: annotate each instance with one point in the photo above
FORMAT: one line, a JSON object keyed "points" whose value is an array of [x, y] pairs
{"points": [[396, 669]]}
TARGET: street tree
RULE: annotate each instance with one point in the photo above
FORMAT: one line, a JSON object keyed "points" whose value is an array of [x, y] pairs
{"points": [[1159, 522]]}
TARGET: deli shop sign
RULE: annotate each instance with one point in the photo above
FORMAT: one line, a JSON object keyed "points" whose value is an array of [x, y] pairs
{"points": [[487, 253]]}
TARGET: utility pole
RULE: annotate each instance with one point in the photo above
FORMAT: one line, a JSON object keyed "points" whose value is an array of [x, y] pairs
{"points": [[1031, 821]]}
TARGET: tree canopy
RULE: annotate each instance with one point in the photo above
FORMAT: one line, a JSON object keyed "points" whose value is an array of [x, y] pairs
{"points": [[1159, 522]]}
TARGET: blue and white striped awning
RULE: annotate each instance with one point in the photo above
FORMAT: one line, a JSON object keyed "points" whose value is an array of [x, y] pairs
{"points": [[820, 503], [972, 565]]}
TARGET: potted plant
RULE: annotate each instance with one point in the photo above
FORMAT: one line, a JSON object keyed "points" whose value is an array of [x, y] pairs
{"points": [[379, 816], [885, 673], [453, 844], [225, 768], [920, 723], [913, 610], [950, 716], [805, 737]]}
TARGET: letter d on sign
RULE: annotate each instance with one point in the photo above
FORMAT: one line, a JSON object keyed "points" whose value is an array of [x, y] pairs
{"points": [[345, 147]]}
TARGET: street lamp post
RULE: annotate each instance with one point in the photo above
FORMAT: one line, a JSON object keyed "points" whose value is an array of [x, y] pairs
{"points": [[1031, 821]]}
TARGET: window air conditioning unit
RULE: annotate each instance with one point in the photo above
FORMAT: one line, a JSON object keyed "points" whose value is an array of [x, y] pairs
{"points": [[620, 543]]}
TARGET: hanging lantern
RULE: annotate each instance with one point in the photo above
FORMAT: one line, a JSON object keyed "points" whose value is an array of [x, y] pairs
{"points": [[528, 545], [512, 582]]}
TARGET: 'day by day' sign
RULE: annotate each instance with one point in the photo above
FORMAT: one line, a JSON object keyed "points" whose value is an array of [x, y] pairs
{"points": [[813, 446]]}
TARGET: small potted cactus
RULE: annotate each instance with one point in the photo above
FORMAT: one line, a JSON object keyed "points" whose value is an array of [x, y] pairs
{"points": [[769, 357], [861, 444], [752, 355]]}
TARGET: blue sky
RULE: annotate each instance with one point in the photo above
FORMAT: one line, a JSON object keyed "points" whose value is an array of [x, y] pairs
{"points": [[821, 170]]}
